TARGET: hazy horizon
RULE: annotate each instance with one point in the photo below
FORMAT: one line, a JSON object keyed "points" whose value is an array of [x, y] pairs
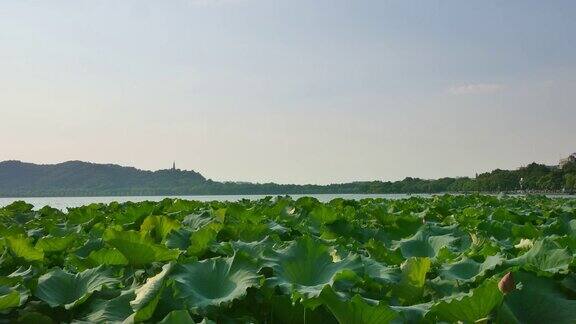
{"points": [[289, 92], [240, 180]]}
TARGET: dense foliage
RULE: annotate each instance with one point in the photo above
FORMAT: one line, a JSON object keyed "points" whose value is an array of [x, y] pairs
{"points": [[75, 178], [283, 261]]}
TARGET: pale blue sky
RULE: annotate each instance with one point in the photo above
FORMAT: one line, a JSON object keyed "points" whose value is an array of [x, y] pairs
{"points": [[295, 91]]}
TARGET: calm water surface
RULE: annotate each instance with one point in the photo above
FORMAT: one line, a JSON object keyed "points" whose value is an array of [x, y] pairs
{"points": [[65, 202]]}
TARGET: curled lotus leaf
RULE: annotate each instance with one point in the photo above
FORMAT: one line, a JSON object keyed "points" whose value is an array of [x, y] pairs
{"points": [[306, 267], [215, 281], [61, 288]]}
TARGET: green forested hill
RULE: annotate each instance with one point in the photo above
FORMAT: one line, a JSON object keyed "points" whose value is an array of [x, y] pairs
{"points": [[82, 178], [75, 178]]}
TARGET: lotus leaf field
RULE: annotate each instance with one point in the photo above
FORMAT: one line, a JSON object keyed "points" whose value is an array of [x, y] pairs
{"points": [[279, 260]]}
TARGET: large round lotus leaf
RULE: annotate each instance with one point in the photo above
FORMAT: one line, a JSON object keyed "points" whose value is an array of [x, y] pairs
{"points": [[214, 281], [55, 244], [137, 248], [545, 256], [306, 266], [107, 257], [471, 307], [380, 272], [428, 242], [61, 288], [114, 310], [356, 310], [468, 269], [537, 300], [21, 247]]}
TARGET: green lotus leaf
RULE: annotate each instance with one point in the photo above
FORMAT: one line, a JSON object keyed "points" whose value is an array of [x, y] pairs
{"points": [[381, 253], [137, 248], [201, 239], [356, 310], [103, 256], [148, 295], [85, 214], [9, 298], [178, 317], [569, 283], [306, 266], [528, 231], [398, 225], [421, 260], [469, 308], [323, 214], [61, 288], [207, 321], [545, 256], [411, 285], [92, 244], [17, 277], [159, 226], [215, 281], [179, 239], [284, 311], [240, 213], [245, 231], [196, 221], [107, 257], [19, 212], [256, 249], [537, 300], [168, 300], [380, 272], [428, 242], [115, 310], [468, 269], [496, 229], [18, 207], [34, 317], [133, 212], [253, 250], [55, 244], [344, 228], [21, 247], [413, 313]]}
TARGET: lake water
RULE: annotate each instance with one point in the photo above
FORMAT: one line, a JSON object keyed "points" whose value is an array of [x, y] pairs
{"points": [[65, 202]]}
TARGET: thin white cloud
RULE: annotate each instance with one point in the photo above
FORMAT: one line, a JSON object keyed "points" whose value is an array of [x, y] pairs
{"points": [[476, 88]]}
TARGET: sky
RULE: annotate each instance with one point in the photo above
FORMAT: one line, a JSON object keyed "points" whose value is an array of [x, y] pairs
{"points": [[296, 91]]}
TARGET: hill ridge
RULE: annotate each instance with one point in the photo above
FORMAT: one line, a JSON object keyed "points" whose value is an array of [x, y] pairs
{"points": [[79, 178]]}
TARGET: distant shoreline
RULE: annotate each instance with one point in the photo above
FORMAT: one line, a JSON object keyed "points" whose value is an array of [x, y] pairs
{"points": [[491, 193], [84, 179]]}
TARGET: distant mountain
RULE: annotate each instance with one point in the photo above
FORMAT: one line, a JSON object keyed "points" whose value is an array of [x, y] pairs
{"points": [[83, 178], [76, 178]]}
